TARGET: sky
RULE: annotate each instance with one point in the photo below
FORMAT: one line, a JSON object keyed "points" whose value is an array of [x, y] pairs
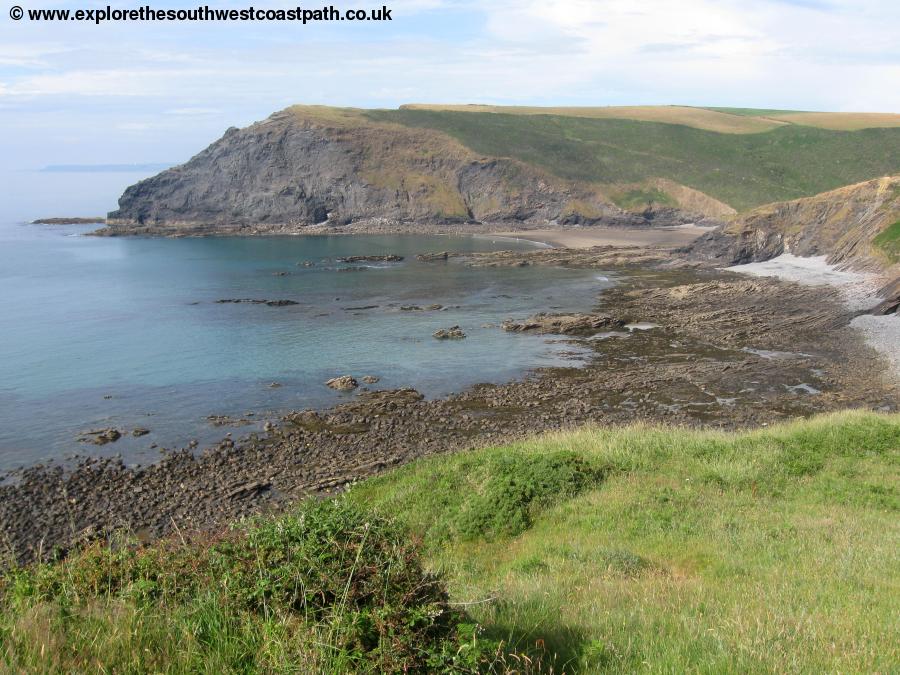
{"points": [[78, 93]]}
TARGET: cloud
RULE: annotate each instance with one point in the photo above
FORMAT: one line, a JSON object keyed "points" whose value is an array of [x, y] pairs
{"points": [[192, 112], [563, 51], [161, 91], [29, 55], [91, 83]]}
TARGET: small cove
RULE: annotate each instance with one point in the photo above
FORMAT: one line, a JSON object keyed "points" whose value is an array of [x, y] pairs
{"points": [[132, 333]]}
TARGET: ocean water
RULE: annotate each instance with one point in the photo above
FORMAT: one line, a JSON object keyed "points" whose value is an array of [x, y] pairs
{"points": [[128, 332]]}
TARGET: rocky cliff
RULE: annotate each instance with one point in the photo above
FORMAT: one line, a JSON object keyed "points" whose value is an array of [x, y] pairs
{"points": [[308, 166], [847, 225]]}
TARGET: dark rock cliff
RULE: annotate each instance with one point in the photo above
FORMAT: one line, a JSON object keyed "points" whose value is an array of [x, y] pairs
{"points": [[308, 166], [841, 224]]}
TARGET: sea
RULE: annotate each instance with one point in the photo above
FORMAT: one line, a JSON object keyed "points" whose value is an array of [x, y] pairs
{"points": [[130, 333]]}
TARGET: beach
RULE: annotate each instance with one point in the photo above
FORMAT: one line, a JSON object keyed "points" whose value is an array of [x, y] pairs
{"points": [[587, 237], [858, 290]]}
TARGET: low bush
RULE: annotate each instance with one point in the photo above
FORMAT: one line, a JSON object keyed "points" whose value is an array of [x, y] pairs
{"points": [[349, 583]]}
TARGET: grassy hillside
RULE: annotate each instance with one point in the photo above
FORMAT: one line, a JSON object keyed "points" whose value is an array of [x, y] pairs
{"points": [[630, 550], [648, 550], [751, 112], [839, 121], [722, 120], [889, 242], [743, 170], [711, 119]]}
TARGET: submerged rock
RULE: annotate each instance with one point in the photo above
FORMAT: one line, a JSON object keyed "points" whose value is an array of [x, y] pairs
{"points": [[452, 333], [253, 301], [370, 258], [69, 221], [433, 257], [101, 436], [417, 308]]}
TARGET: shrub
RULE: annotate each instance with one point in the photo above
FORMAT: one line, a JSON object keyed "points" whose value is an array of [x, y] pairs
{"points": [[519, 485], [350, 583]]}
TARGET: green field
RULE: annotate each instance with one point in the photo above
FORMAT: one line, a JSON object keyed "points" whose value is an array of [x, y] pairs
{"points": [[753, 112], [625, 550], [889, 242], [742, 170]]}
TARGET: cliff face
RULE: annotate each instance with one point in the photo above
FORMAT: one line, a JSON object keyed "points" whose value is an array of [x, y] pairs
{"points": [[842, 224], [309, 166]]}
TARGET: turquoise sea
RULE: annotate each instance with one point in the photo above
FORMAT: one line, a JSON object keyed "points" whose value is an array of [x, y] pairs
{"points": [[128, 332]]}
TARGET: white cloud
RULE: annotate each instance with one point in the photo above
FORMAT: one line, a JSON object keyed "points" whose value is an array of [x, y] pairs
{"points": [[28, 55], [181, 84], [192, 112], [702, 51]]}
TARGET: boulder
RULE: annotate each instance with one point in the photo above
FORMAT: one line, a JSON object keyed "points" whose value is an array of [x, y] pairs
{"points": [[101, 436], [343, 383]]}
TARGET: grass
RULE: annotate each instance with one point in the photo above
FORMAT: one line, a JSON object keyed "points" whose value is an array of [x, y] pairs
{"points": [[888, 241], [330, 588], [638, 199], [742, 170], [711, 119], [770, 551], [840, 121], [597, 550], [752, 112]]}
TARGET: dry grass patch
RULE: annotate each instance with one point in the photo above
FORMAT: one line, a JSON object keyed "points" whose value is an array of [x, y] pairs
{"points": [[699, 118], [840, 121]]}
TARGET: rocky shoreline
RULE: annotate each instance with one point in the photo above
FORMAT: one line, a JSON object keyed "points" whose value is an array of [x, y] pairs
{"points": [[627, 221], [674, 342]]}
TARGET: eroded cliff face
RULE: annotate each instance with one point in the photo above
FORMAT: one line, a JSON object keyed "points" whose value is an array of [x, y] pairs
{"points": [[841, 224], [308, 166]]}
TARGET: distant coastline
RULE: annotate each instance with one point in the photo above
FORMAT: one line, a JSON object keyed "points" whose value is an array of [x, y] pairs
{"points": [[106, 168]]}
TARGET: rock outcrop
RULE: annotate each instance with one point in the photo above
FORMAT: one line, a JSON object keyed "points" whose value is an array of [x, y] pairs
{"points": [[841, 224], [563, 324], [307, 166], [343, 383]]}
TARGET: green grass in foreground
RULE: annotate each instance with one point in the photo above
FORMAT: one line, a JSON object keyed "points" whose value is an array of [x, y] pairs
{"points": [[889, 242], [637, 549], [742, 170]]}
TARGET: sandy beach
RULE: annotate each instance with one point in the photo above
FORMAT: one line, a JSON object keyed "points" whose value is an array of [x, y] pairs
{"points": [[587, 237]]}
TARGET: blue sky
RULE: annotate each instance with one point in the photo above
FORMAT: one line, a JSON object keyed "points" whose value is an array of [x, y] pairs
{"points": [[121, 93]]}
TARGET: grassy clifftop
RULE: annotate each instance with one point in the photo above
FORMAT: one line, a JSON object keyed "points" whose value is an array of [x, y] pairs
{"points": [[311, 165], [723, 120], [776, 162], [629, 550]]}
